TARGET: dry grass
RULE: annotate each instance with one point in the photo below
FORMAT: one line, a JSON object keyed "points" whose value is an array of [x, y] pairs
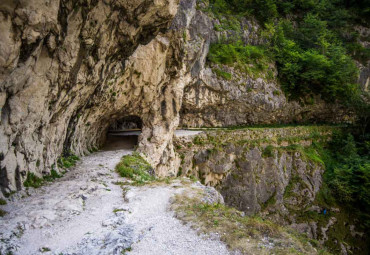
{"points": [[248, 235]]}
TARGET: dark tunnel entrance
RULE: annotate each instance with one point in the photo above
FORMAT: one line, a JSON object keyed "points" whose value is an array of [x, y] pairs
{"points": [[123, 133]]}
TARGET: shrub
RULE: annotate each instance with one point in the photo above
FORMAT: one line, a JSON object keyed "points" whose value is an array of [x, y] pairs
{"points": [[310, 62], [225, 75], [311, 42], [268, 151], [136, 168], [247, 58], [67, 162], [348, 174], [53, 175]]}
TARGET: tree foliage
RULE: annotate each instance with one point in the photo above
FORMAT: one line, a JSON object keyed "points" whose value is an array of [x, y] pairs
{"points": [[247, 58], [310, 61], [348, 173], [312, 41]]}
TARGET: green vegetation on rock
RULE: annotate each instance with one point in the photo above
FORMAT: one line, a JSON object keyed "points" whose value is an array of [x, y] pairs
{"points": [[225, 75], [310, 61], [136, 168], [2, 213], [346, 187], [53, 175], [33, 181], [252, 60], [67, 162], [347, 163], [2, 201], [344, 192], [313, 43]]}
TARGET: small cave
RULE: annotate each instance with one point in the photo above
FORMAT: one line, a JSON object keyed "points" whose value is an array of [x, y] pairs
{"points": [[123, 133]]}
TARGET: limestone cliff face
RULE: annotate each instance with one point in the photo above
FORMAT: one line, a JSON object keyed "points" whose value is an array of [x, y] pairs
{"points": [[259, 171], [253, 166], [210, 100], [70, 68]]}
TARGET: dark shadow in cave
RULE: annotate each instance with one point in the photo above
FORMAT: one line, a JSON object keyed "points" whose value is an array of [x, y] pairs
{"points": [[123, 133]]}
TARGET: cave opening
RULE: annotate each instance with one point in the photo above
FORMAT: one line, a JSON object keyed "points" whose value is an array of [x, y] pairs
{"points": [[124, 133]]}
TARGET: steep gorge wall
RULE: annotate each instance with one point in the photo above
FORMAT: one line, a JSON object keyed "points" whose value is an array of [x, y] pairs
{"points": [[70, 68], [276, 174]]}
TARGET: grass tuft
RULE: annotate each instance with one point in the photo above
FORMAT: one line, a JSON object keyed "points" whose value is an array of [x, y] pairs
{"points": [[225, 75], [67, 162], [33, 181], [136, 168], [2, 213], [268, 151], [2, 201]]}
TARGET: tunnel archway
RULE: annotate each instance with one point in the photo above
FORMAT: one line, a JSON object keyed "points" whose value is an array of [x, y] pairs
{"points": [[124, 133], [127, 123]]}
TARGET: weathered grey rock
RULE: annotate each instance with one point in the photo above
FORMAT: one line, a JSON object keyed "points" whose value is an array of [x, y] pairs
{"points": [[278, 183], [249, 178], [68, 70]]}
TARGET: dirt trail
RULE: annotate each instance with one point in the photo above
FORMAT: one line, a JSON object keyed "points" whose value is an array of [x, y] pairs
{"points": [[84, 212], [70, 212]]}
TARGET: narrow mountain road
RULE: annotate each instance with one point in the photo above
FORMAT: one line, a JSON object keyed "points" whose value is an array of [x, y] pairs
{"points": [[72, 215], [85, 212]]}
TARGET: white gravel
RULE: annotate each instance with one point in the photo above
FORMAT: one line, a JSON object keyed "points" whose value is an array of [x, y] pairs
{"points": [[74, 215], [158, 232]]}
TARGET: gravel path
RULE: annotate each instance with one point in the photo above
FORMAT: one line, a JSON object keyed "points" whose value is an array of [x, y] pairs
{"points": [[182, 132], [178, 133], [158, 232], [85, 213]]}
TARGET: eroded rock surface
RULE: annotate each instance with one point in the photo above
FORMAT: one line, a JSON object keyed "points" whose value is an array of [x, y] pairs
{"points": [[273, 173], [69, 69], [255, 167]]}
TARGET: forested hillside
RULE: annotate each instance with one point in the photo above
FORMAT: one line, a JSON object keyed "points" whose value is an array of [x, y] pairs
{"points": [[315, 43]]}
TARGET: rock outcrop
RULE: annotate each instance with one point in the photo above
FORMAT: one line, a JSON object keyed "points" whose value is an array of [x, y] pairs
{"points": [[274, 173], [252, 167], [69, 69], [211, 100]]}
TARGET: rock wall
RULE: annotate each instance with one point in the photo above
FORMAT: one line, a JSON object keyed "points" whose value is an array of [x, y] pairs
{"points": [[210, 100], [258, 170], [68, 69], [214, 157], [273, 173]]}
